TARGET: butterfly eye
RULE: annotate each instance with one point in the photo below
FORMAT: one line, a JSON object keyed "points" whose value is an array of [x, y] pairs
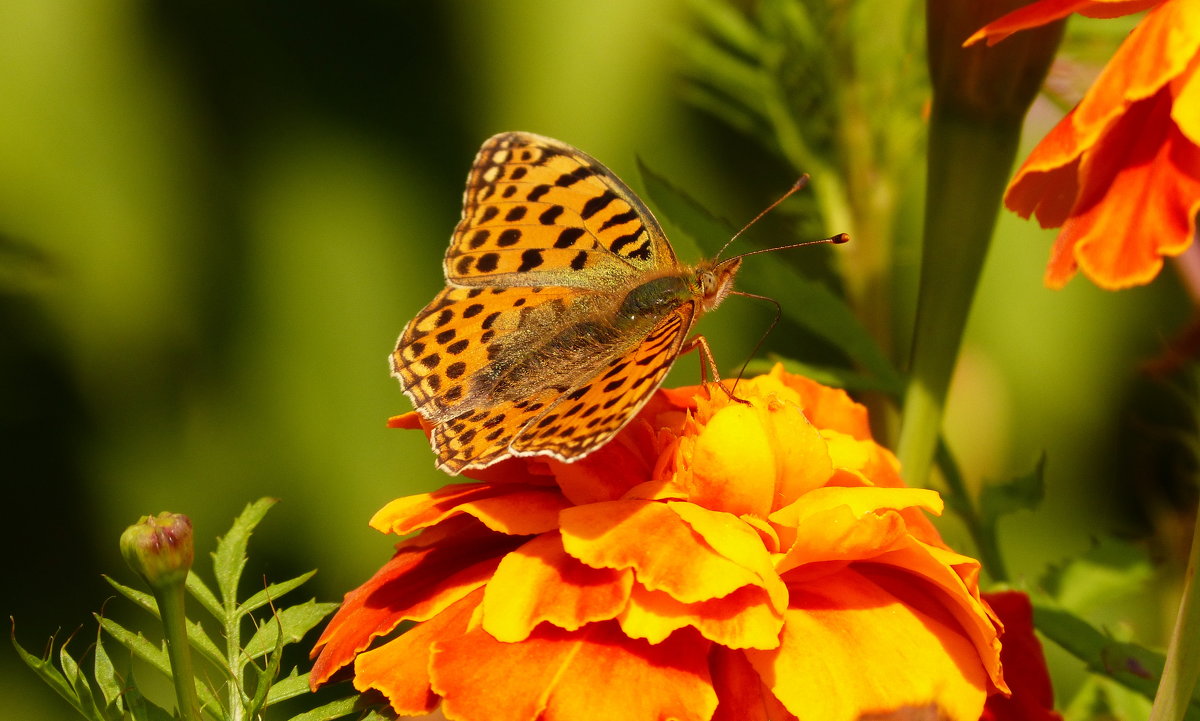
{"points": [[707, 282]]}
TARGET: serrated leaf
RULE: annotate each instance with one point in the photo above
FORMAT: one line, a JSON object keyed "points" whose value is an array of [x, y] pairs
{"points": [[1130, 665], [295, 621], [295, 684], [1021, 493], [200, 591], [338, 709], [54, 678], [229, 560], [198, 638], [155, 656], [272, 593], [106, 677], [266, 678]]}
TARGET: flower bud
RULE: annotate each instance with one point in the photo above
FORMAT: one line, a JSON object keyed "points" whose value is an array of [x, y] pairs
{"points": [[159, 548]]}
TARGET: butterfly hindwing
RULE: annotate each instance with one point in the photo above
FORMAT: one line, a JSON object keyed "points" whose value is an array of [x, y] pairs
{"points": [[539, 212]]}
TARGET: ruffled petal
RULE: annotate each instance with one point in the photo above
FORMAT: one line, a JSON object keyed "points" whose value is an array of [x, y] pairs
{"points": [[742, 619], [540, 582], [914, 659], [633, 534], [508, 508], [556, 675]]}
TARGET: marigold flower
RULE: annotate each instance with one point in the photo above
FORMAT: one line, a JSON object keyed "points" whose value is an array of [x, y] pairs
{"points": [[1121, 172], [716, 560]]}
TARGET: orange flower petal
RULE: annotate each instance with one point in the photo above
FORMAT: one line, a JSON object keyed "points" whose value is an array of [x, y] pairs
{"points": [[743, 619], [914, 659], [825, 407], [557, 675], [610, 472], [944, 582], [1186, 109], [416, 584], [1139, 201], [540, 582], [1047, 11], [400, 668], [505, 508], [634, 534], [737, 541], [743, 697]]}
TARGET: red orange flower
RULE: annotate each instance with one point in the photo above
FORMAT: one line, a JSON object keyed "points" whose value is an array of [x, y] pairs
{"points": [[1121, 172], [716, 560], [1032, 696]]}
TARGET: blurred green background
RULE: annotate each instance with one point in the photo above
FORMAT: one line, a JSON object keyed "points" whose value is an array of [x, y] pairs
{"points": [[216, 217]]}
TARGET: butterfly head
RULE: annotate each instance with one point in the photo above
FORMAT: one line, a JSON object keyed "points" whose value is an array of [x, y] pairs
{"points": [[714, 281]]}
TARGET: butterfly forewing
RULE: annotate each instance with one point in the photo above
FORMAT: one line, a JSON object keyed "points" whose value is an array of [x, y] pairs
{"points": [[564, 310], [539, 212]]}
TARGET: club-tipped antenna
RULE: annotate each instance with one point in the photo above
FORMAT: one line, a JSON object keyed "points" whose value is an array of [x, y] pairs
{"points": [[799, 184]]}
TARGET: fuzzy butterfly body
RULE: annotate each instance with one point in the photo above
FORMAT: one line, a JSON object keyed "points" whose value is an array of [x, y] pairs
{"points": [[565, 307]]}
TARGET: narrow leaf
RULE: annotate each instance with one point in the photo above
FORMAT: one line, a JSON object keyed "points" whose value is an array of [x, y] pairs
{"points": [[155, 656], [54, 678], [272, 593], [107, 680], [295, 621], [1022, 493], [295, 684], [198, 638], [206, 597], [341, 708], [229, 560], [1128, 664]]}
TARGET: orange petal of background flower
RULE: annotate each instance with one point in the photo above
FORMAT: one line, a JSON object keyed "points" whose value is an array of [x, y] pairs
{"points": [[1046, 184], [743, 619], [1186, 109], [1047, 11], [540, 582], [664, 552], [505, 508], [1158, 49], [416, 584], [1138, 203], [850, 647], [557, 675], [743, 697], [399, 669]]}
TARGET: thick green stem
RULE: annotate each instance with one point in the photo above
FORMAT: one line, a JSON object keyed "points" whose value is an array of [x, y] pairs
{"points": [[174, 619], [969, 162], [1183, 655]]}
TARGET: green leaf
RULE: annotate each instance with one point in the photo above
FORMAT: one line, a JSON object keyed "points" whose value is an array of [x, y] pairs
{"points": [[1022, 493], [153, 655], [55, 679], [229, 560], [272, 593], [728, 25], [1130, 665], [142, 709], [341, 708], [198, 638], [266, 677], [296, 684], [106, 676], [295, 621]]}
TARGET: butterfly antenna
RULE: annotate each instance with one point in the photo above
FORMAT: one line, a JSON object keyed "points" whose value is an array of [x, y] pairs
{"points": [[762, 339], [799, 184]]}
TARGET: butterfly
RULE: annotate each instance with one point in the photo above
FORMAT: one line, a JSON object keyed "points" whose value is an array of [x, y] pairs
{"points": [[564, 308]]}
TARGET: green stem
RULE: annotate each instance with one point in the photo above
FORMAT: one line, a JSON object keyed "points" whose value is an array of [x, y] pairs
{"points": [[959, 500], [171, 605], [969, 162], [1183, 655]]}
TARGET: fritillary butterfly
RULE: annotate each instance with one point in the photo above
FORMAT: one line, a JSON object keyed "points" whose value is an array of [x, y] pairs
{"points": [[564, 308]]}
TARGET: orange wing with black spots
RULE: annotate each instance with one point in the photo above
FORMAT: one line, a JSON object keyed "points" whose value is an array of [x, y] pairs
{"points": [[539, 212], [564, 310]]}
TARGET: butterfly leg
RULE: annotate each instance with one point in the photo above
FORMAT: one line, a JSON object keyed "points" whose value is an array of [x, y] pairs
{"points": [[708, 363]]}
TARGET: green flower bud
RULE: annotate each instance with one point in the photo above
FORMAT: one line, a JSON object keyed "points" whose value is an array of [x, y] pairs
{"points": [[159, 548]]}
